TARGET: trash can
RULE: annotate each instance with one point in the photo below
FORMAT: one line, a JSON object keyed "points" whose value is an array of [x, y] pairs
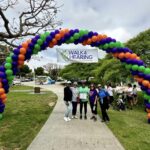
{"points": [[37, 90]]}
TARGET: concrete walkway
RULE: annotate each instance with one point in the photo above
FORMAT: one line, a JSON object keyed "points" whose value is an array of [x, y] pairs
{"points": [[77, 134]]}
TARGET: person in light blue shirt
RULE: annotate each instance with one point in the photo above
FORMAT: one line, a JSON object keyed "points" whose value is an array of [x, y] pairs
{"points": [[103, 99]]}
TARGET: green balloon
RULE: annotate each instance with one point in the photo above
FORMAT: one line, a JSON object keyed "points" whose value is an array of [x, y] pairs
{"points": [[9, 60], [35, 51], [43, 37], [147, 71], [128, 66], [135, 67], [39, 41], [86, 31], [141, 69], [8, 65], [67, 42], [37, 47], [1, 116], [118, 44], [47, 34], [71, 40], [76, 36], [111, 44], [81, 33], [105, 46], [10, 78], [9, 72]]}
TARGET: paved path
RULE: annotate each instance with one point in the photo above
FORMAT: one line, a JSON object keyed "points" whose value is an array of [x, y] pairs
{"points": [[77, 134]]}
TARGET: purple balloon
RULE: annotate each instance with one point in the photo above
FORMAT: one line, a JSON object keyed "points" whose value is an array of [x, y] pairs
{"points": [[2, 75], [4, 81], [148, 91], [148, 105], [140, 62], [31, 45], [71, 32], [49, 39], [114, 50], [141, 74], [76, 30], [16, 51], [90, 34], [15, 57], [2, 107], [56, 31], [147, 76], [2, 68]]}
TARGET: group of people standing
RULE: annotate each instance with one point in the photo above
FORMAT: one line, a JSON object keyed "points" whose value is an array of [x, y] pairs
{"points": [[82, 95]]}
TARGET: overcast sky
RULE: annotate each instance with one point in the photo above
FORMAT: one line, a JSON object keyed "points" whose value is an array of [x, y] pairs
{"points": [[120, 19]]}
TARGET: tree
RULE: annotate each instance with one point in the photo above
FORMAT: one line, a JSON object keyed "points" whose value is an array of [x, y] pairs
{"points": [[39, 71], [36, 16], [141, 45], [24, 71]]}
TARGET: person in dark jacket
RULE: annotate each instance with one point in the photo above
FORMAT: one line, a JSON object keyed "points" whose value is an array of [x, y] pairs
{"points": [[68, 100], [104, 102]]}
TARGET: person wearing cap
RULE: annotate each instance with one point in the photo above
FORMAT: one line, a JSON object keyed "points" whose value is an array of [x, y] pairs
{"points": [[103, 99], [93, 101], [75, 93], [67, 100], [83, 96]]}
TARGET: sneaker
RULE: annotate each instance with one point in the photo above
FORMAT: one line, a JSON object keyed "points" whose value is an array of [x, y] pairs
{"points": [[80, 116], [85, 117], [66, 119], [75, 117], [92, 117], [95, 119]]}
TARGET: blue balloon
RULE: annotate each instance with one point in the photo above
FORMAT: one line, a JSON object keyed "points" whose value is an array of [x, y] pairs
{"points": [[114, 50], [56, 31], [15, 57], [4, 81], [49, 38]]}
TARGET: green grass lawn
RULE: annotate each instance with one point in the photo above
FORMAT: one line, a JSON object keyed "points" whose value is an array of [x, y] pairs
{"points": [[24, 116], [131, 128], [21, 87]]}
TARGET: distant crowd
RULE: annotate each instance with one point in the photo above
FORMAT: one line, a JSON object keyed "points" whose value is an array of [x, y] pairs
{"points": [[82, 95]]}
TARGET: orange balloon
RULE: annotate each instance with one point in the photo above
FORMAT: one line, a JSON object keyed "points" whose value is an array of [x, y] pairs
{"points": [[62, 33], [57, 36], [99, 37], [2, 90], [115, 54], [140, 80], [89, 41], [23, 50], [145, 83], [138, 58], [127, 55], [51, 45], [21, 57], [148, 110], [29, 41], [133, 56], [4, 100], [149, 85], [1, 85], [121, 55], [54, 41], [104, 36], [148, 115], [84, 42], [20, 62], [94, 38], [25, 45], [66, 30], [3, 96]]}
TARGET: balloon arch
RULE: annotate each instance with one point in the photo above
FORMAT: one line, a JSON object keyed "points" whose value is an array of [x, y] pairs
{"points": [[23, 52]]}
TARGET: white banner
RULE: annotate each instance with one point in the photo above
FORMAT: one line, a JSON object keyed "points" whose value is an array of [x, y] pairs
{"points": [[77, 55]]}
